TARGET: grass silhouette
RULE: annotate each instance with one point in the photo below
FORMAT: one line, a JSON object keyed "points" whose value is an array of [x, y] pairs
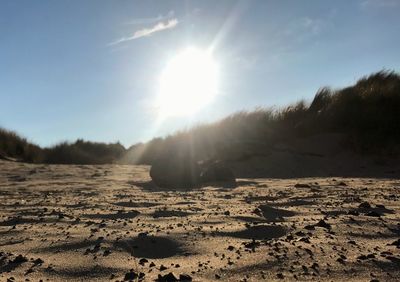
{"points": [[367, 113], [13, 145]]}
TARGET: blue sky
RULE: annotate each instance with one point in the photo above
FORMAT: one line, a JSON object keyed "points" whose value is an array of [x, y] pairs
{"points": [[89, 69]]}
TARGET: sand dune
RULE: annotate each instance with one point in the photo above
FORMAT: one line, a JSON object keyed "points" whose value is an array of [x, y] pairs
{"points": [[109, 223]]}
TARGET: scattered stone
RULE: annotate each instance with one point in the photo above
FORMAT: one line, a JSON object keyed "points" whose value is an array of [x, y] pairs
{"points": [[132, 275], [340, 260], [322, 223], [252, 245], [302, 185], [185, 278], [142, 261], [19, 259], [38, 261], [353, 212], [395, 243], [30, 270], [364, 205], [373, 213], [309, 227], [305, 240], [362, 257], [142, 234], [170, 277]]}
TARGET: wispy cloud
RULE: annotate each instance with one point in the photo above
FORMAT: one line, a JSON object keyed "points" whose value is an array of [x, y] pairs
{"points": [[307, 27], [315, 26], [148, 31], [150, 20]]}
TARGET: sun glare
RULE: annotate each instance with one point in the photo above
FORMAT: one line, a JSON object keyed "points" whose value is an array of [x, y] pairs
{"points": [[188, 83]]}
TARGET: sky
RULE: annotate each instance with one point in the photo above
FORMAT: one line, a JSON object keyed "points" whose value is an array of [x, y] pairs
{"points": [[91, 69]]}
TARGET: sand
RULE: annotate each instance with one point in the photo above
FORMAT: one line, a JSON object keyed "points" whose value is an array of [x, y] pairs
{"points": [[110, 223]]}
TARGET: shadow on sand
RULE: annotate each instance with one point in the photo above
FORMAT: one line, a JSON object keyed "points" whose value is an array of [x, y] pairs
{"points": [[152, 247], [258, 232]]}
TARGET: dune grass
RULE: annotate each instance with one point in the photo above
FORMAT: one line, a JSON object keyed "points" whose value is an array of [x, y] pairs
{"points": [[14, 146], [367, 113], [84, 152]]}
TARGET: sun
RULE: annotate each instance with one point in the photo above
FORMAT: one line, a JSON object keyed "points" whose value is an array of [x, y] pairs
{"points": [[188, 83]]}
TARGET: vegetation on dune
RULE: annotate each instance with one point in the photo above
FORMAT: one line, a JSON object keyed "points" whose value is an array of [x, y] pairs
{"points": [[368, 113], [80, 152], [84, 152], [14, 146]]}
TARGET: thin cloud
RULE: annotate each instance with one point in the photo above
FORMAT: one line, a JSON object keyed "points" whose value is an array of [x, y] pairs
{"points": [[148, 31], [150, 20], [315, 26]]}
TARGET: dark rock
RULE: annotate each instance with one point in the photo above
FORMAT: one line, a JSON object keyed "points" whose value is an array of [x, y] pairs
{"points": [[185, 278], [324, 224], [396, 243], [142, 235], [373, 213], [340, 260], [30, 270], [353, 212], [19, 259], [175, 172], [300, 233], [182, 171], [315, 265], [142, 261], [364, 205], [305, 240], [302, 185], [252, 245], [132, 275], [217, 172], [162, 267], [38, 261], [170, 277], [362, 257]]}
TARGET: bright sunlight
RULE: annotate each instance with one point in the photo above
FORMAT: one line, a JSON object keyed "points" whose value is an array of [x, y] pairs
{"points": [[188, 83]]}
